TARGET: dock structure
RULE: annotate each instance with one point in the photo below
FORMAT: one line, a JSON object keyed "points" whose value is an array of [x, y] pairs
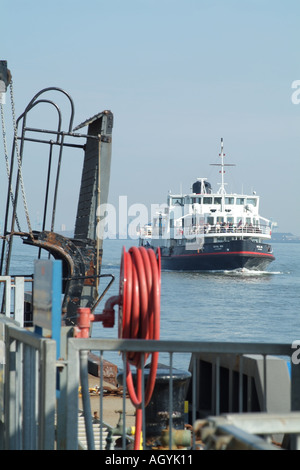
{"points": [[94, 191], [81, 253], [95, 178]]}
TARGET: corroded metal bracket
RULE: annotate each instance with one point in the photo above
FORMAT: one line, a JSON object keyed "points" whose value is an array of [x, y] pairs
{"points": [[79, 267]]}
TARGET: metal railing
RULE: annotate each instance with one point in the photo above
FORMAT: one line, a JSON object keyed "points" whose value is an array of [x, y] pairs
{"points": [[245, 431], [27, 389], [243, 229], [207, 230], [77, 350], [39, 395], [13, 297]]}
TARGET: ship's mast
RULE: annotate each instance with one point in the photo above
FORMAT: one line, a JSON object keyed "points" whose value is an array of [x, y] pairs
{"points": [[222, 165], [222, 188]]}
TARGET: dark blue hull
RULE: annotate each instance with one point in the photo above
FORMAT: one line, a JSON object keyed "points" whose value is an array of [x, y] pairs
{"points": [[223, 256]]}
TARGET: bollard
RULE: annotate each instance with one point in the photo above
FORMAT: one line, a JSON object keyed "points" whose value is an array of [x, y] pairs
{"points": [[157, 411]]}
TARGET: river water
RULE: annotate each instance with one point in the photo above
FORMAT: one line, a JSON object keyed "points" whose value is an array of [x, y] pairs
{"points": [[236, 306], [222, 306]]}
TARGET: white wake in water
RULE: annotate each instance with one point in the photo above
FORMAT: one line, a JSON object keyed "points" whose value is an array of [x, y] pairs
{"points": [[251, 272]]}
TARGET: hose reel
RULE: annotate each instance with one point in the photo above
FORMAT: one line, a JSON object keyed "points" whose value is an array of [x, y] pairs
{"points": [[139, 318]]}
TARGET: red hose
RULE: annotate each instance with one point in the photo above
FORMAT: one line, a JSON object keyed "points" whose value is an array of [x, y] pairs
{"points": [[139, 318]]}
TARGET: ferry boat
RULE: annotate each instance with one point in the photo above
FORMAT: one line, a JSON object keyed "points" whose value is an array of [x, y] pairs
{"points": [[210, 231]]}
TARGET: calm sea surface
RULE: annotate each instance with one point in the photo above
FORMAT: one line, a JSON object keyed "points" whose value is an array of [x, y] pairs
{"points": [[225, 306]]}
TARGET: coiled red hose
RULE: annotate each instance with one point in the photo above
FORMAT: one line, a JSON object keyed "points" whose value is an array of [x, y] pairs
{"points": [[139, 318]]}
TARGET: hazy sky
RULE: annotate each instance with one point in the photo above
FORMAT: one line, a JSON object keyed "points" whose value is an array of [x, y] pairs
{"points": [[178, 76]]}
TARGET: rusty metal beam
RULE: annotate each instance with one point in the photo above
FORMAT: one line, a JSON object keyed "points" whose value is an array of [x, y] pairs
{"points": [[79, 267]]}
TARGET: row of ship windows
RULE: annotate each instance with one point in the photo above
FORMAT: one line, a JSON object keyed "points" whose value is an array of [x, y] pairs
{"points": [[220, 240], [213, 200], [230, 220], [214, 221]]}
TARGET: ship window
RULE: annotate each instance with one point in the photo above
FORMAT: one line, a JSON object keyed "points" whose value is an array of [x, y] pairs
{"points": [[196, 200], [217, 200], [240, 200], [207, 200], [252, 201], [210, 220], [229, 200], [220, 219], [230, 220]]}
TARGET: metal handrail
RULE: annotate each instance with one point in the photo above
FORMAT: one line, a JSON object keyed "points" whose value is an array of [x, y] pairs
{"points": [[28, 396], [217, 349], [35, 357], [244, 431], [207, 231]]}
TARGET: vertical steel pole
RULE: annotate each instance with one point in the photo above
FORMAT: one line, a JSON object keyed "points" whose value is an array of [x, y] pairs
{"points": [[71, 440], [48, 395], [29, 399], [241, 385], [171, 401], [19, 300], [218, 393], [86, 400]]}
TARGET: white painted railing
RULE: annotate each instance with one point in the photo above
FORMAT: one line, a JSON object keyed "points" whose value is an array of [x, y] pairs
{"points": [[207, 230], [13, 298]]}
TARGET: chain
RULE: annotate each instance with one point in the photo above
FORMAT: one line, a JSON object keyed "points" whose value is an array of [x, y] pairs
{"points": [[19, 159], [7, 162], [10, 188]]}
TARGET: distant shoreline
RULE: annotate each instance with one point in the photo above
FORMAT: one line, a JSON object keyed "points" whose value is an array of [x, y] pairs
{"points": [[285, 238]]}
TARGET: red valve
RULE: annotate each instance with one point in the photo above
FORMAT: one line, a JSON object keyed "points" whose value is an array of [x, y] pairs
{"points": [[84, 321], [108, 315], [85, 317]]}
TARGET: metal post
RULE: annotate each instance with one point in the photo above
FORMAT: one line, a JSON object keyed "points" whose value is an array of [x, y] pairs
{"points": [[47, 395], [124, 401], [217, 392], [86, 400], [7, 282], [9, 392], [29, 399], [265, 383], [19, 300], [71, 440], [241, 385], [295, 387], [171, 401], [194, 392], [101, 399]]}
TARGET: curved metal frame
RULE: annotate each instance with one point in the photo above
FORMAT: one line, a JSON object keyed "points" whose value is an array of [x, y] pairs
{"points": [[79, 257], [59, 141]]}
